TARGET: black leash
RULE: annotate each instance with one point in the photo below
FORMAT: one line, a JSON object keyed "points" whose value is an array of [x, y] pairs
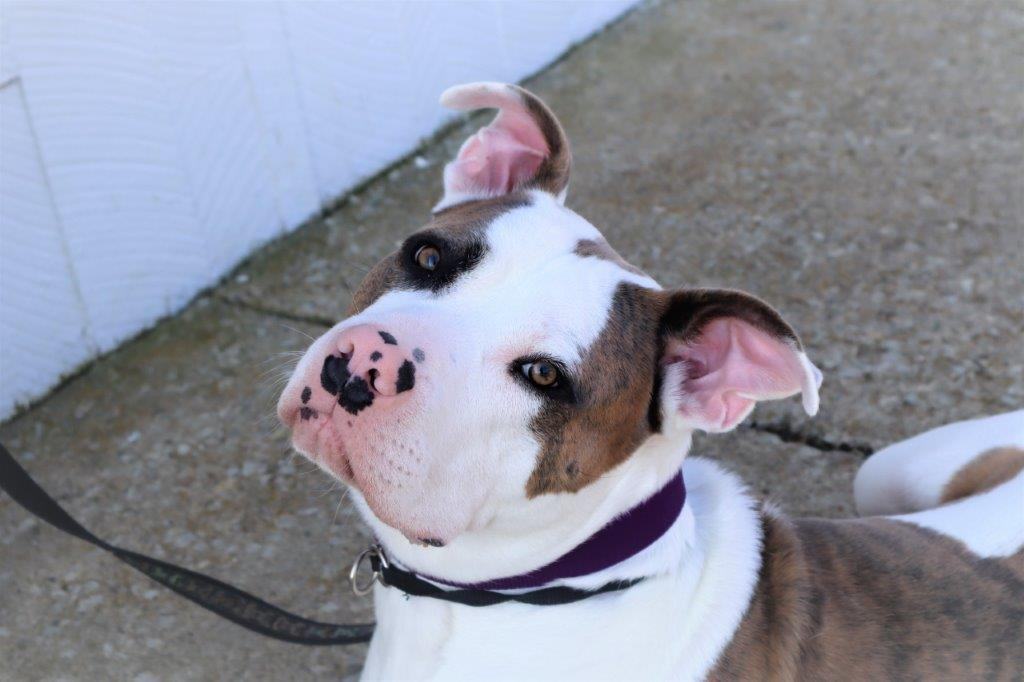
{"points": [[252, 612], [229, 602]]}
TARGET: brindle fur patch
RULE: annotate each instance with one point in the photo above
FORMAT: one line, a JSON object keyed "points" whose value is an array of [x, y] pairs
{"points": [[580, 442], [599, 248], [463, 222], [984, 472], [619, 382], [877, 599]]}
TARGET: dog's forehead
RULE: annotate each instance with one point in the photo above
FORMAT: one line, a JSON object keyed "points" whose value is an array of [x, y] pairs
{"points": [[535, 271], [542, 227], [550, 275]]}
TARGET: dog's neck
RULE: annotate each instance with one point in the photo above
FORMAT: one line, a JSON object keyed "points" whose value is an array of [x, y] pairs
{"points": [[554, 526], [621, 539]]}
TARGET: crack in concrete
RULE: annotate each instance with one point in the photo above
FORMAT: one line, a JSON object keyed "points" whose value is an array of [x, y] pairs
{"points": [[236, 302], [788, 434]]}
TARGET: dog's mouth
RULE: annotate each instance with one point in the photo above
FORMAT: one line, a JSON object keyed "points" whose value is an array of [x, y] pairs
{"points": [[427, 542], [317, 440], [328, 445]]}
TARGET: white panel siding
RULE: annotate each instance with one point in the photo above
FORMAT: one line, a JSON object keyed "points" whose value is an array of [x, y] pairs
{"points": [[100, 106], [42, 319], [148, 147]]}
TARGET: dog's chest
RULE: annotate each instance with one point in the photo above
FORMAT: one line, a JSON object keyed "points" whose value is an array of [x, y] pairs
{"points": [[626, 637], [672, 626]]}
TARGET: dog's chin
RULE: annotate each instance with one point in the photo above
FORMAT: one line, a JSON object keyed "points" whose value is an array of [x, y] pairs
{"points": [[417, 530], [321, 445], [377, 502]]}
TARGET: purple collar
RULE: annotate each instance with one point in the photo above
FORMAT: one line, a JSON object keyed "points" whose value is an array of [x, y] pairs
{"points": [[623, 537]]}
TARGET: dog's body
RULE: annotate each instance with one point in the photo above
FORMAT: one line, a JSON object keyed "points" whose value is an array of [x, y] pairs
{"points": [[744, 593], [507, 386]]}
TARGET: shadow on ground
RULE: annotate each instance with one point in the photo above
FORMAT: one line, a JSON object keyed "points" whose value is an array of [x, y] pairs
{"points": [[856, 164]]}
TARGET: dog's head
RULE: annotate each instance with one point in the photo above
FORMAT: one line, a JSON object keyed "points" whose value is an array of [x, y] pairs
{"points": [[505, 370]]}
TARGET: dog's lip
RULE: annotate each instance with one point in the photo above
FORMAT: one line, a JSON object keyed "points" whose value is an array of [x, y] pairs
{"points": [[326, 455], [334, 458], [427, 542]]}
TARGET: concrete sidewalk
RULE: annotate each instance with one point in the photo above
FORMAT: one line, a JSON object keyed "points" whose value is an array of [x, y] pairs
{"points": [[856, 164]]}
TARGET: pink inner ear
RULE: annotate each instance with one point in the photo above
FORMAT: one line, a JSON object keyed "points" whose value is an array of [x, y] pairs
{"points": [[498, 158], [729, 368]]}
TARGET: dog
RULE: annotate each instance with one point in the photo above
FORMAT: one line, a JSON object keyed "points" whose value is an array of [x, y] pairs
{"points": [[511, 402]]}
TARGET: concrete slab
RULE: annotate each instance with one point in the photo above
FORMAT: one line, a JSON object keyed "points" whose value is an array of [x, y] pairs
{"points": [[856, 164]]}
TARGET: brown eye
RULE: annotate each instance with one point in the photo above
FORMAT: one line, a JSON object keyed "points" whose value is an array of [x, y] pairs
{"points": [[428, 257], [542, 373]]}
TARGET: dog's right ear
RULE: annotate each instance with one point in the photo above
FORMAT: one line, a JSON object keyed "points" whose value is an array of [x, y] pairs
{"points": [[524, 147]]}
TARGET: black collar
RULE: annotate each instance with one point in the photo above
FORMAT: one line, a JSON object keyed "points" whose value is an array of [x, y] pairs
{"points": [[389, 575]]}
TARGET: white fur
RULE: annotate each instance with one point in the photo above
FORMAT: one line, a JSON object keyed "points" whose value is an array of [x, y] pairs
{"points": [[910, 475], [672, 626], [990, 524]]}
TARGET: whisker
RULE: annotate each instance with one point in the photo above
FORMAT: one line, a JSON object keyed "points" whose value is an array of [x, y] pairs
{"points": [[298, 331]]}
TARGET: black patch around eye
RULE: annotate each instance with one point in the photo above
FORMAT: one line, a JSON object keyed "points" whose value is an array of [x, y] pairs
{"points": [[375, 356], [457, 258], [563, 390]]}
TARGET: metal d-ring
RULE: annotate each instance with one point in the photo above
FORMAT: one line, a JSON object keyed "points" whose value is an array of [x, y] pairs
{"points": [[377, 561]]}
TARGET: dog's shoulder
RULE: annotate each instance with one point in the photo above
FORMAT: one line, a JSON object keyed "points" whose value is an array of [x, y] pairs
{"points": [[877, 598]]}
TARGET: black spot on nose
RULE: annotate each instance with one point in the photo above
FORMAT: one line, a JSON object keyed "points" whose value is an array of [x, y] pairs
{"points": [[375, 356], [418, 355], [308, 413], [334, 374], [355, 395], [307, 393], [388, 339], [406, 377]]}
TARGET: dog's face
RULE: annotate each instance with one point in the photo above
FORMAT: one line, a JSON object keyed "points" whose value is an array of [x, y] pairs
{"points": [[505, 354]]}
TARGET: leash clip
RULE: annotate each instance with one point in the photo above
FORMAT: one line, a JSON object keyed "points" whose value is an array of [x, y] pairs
{"points": [[378, 562]]}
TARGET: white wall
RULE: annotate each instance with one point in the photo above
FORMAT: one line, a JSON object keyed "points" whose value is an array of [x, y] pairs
{"points": [[145, 148]]}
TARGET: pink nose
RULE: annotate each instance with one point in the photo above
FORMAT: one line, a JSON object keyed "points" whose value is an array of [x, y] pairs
{"points": [[367, 363], [364, 366]]}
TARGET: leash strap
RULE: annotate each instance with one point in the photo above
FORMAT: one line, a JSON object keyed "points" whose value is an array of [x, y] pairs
{"points": [[252, 612], [226, 601]]}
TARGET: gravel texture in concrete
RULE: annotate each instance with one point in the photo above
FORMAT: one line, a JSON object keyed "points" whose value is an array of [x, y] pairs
{"points": [[856, 164]]}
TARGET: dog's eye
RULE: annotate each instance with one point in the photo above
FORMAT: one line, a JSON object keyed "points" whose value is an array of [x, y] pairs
{"points": [[428, 257], [541, 373]]}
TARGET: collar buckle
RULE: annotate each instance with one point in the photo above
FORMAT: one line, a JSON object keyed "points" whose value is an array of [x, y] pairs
{"points": [[378, 562]]}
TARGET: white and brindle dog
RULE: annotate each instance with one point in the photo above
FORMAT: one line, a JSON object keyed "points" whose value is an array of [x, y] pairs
{"points": [[511, 403]]}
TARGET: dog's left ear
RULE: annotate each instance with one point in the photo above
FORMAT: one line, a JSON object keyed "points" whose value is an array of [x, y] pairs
{"points": [[725, 350], [524, 147]]}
